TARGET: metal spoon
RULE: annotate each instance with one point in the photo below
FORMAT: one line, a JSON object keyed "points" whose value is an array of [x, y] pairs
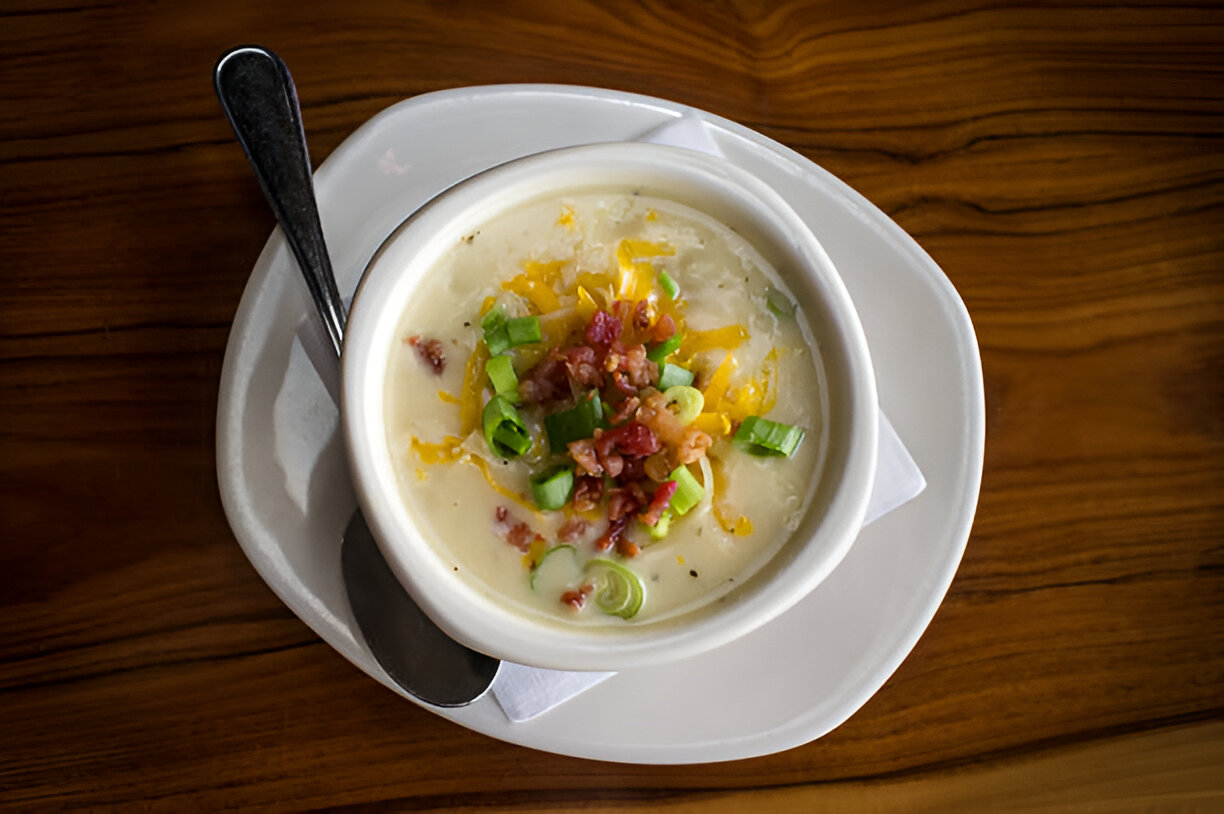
{"points": [[261, 103]]}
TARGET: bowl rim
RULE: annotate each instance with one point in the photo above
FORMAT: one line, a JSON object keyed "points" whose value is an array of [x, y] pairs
{"points": [[460, 608]]}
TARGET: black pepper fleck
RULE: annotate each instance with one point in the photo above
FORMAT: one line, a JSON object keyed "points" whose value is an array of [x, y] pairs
{"points": [[467, 324], [692, 573]]}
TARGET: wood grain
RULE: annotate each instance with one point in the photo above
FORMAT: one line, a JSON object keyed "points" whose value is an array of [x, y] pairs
{"points": [[1063, 164]]}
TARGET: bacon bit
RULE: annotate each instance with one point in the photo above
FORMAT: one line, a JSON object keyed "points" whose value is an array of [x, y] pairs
{"points": [[622, 383], [588, 492], [582, 366], [620, 309], [603, 329], [636, 370], [627, 548], [693, 444], [625, 410], [642, 316], [547, 381], [613, 534], [634, 438], [577, 598], [625, 501], [521, 537], [634, 470], [623, 504], [661, 421], [583, 453], [662, 497], [663, 329], [517, 533], [613, 464], [574, 528], [431, 352]]}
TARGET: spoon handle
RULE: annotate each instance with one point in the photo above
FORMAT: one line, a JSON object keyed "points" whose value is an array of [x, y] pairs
{"points": [[260, 101]]}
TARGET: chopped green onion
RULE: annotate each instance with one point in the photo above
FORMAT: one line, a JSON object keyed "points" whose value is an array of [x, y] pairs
{"points": [[779, 303], [671, 375], [669, 286], [574, 424], [688, 491], [553, 490], [501, 375], [665, 348], [495, 336], [493, 320], [688, 402], [523, 331], [619, 591], [659, 530], [497, 340], [501, 334], [557, 571], [760, 436], [504, 430]]}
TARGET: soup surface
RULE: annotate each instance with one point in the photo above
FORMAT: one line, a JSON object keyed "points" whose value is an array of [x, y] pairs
{"points": [[605, 410]]}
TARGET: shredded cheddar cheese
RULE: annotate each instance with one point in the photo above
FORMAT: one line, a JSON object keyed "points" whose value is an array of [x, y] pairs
{"points": [[713, 424], [451, 450], [729, 337], [717, 387], [469, 397], [636, 270], [741, 526], [534, 553]]}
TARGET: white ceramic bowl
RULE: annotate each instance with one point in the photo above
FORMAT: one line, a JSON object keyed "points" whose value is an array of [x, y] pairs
{"points": [[722, 191]]}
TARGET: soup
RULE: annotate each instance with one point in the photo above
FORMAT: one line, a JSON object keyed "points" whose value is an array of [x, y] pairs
{"points": [[605, 409]]}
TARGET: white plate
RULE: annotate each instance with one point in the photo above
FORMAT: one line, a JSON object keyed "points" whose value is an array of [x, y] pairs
{"points": [[285, 487]]}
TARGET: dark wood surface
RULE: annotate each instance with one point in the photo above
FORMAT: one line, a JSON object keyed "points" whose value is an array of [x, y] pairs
{"points": [[1062, 163]]}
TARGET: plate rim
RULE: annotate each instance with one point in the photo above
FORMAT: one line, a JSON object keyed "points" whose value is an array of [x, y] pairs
{"points": [[798, 730]]}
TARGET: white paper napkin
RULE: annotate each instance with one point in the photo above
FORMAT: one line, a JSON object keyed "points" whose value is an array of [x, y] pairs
{"points": [[525, 692]]}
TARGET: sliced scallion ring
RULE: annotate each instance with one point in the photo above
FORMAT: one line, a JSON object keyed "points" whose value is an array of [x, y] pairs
{"points": [[618, 591], [504, 430], [687, 402], [558, 564]]}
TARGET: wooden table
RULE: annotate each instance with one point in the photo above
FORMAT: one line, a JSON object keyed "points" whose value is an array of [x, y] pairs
{"points": [[1062, 164]]}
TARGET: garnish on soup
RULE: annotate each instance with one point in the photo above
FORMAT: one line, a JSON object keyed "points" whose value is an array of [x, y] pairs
{"points": [[620, 370]]}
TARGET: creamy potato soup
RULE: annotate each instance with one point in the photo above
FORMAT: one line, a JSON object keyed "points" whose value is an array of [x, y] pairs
{"points": [[605, 409]]}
